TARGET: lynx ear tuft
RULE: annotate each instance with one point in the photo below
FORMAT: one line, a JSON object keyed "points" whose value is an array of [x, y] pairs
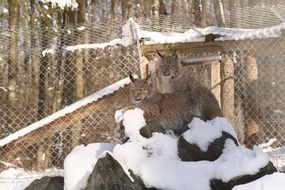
{"points": [[159, 55]]}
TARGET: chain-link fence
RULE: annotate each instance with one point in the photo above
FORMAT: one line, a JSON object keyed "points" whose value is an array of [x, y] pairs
{"points": [[52, 73], [54, 70], [248, 82]]}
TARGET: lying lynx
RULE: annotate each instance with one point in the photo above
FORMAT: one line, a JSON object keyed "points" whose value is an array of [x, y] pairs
{"points": [[172, 111], [175, 110]]}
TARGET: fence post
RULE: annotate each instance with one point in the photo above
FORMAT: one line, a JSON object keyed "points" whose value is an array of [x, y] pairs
{"points": [[227, 95], [215, 80], [252, 127]]}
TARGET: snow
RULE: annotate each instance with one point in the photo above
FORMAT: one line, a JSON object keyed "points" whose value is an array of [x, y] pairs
{"points": [[196, 34], [62, 3], [86, 156], [132, 32], [94, 46], [126, 40], [211, 130], [155, 160], [69, 109], [240, 160]]}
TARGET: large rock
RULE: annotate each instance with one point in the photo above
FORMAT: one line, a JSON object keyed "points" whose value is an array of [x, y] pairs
{"points": [[150, 128], [47, 183], [217, 184], [153, 127], [108, 174], [192, 152]]}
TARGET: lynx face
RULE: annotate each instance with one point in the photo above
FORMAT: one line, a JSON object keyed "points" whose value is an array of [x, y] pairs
{"points": [[168, 66], [140, 90]]}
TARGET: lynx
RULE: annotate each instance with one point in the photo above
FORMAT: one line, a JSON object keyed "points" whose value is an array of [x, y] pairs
{"points": [[173, 111], [171, 77]]}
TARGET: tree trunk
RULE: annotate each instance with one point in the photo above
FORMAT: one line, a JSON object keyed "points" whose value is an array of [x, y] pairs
{"points": [[219, 13], [113, 9], [185, 7], [204, 13], [35, 61], [139, 8], [155, 8], [94, 14], [126, 5], [79, 70], [27, 80], [235, 15], [44, 82], [173, 7], [13, 58], [162, 7]]}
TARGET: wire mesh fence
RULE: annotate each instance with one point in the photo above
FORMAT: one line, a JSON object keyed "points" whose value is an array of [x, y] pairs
{"points": [[51, 74], [53, 71], [253, 16]]}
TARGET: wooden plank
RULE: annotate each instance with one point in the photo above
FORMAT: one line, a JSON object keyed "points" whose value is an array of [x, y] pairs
{"points": [[58, 125], [204, 47]]}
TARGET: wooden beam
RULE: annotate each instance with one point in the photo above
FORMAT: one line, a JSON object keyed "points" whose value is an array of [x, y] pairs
{"points": [[204, 47]]}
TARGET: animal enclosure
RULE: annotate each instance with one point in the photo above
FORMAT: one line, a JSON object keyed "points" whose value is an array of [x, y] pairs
{"points": [[54, 74]]}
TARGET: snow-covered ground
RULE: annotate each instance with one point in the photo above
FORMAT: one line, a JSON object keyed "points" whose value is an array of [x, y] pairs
{"points": [[155, 160]]}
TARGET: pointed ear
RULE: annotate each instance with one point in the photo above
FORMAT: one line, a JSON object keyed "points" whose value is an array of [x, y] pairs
{"points": [[159, 55], [132, 78]]}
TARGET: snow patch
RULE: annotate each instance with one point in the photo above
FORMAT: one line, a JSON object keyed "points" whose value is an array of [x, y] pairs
{"points": [[210, 131]]}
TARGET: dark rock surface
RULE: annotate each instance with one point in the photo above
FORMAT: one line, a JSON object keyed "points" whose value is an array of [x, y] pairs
{"points": [[108, 174], [47, 183], [150, 128], [192, 152], [217, 184]]}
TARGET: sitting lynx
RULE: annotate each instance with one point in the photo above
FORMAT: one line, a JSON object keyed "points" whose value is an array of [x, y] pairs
{"points": [[171, 77]]}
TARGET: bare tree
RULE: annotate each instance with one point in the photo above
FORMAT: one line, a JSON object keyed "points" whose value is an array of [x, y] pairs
{"points": [[79, 68], [204, 13], [173, 7], [113, 9], [13, 57], [219, 13], [126, 5]]}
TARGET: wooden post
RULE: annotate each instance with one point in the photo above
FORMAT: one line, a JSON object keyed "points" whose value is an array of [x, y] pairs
{"points": [[227, 99], [252, 126], [216, 79], [251, 68], [144, 67]]}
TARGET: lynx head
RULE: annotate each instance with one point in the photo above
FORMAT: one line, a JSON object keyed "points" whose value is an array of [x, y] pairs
{"points": [[140, 89], [168, 66]]}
